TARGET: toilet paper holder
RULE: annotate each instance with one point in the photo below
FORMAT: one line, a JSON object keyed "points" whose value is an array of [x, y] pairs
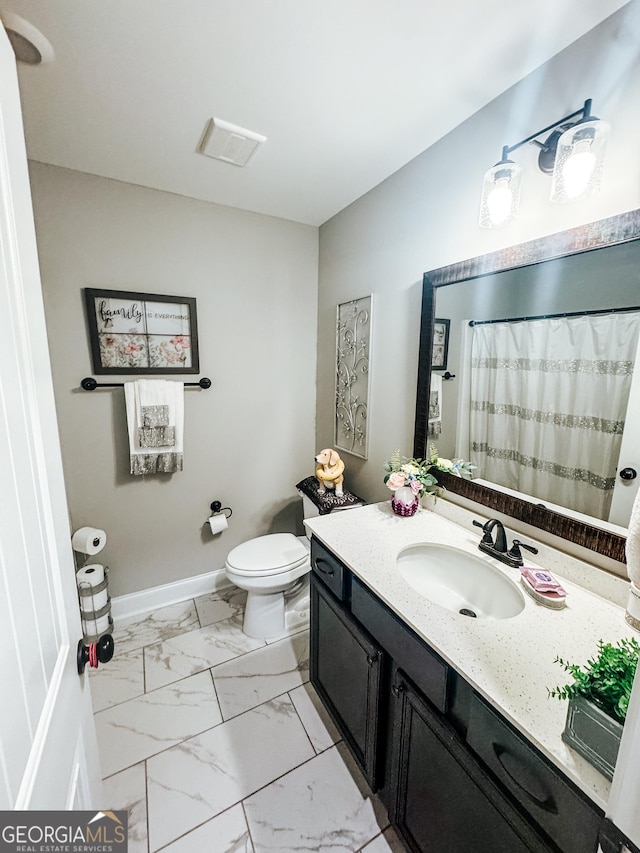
{"points": [[94, 649], [217, 507], [88, 611]]}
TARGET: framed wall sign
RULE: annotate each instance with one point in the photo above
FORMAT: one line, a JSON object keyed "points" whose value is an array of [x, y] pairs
{"points": [[440, 344], [142, 332]]}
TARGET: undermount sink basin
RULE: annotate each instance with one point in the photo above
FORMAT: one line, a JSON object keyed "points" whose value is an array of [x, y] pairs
{"points": [[459, 581]]}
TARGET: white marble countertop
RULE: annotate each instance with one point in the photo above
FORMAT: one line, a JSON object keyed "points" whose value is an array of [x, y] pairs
{"points": [[508, 661]]}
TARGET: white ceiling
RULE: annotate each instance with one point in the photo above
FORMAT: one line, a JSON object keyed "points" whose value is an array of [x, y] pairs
{"points": [[346, 91]]}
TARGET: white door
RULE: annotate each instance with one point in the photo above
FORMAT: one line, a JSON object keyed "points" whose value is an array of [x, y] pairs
{"points": [[48, 748], [622, 808], [624, 492]]}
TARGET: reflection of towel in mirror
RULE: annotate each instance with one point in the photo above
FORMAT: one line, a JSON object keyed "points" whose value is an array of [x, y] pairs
{"points": [[633, 542], [155, 416], [434, 424]]}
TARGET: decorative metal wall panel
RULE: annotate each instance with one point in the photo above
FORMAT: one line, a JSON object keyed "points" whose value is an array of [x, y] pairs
{"points": [[353, 347]]}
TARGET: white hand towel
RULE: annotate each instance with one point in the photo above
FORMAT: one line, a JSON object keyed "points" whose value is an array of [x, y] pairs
{"points": [[155, 392], [633, 543]]}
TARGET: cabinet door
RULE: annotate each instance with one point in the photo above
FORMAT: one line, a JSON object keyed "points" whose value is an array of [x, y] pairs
{"points": [[346, 670], [442, 801]]}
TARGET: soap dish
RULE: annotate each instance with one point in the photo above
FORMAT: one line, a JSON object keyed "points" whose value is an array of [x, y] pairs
{"points": [[546, 599]]}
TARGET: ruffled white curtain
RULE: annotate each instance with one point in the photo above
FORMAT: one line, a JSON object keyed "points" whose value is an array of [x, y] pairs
{"points": [[548, 405]]}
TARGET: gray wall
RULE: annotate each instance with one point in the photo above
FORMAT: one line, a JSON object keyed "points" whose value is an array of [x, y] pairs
{"points": [[425, 216], [250, 438]]}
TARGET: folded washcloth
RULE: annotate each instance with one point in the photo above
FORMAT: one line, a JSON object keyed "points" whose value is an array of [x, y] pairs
{"points": [[164, 436], [155, 419], [155, 430], [155, 416]]}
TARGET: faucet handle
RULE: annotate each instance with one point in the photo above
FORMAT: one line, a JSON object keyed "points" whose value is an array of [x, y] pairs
{"points": [[487, 532], [515, 552]]}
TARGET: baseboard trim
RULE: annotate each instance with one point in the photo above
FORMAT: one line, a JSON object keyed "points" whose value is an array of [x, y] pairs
{"points": [[134, 603]]}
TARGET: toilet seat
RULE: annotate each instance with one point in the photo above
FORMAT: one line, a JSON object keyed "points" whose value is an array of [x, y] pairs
{"points": [[263, 556]]}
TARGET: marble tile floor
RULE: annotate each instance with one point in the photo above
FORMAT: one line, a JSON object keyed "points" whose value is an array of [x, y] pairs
{"points": [[215, 742]]}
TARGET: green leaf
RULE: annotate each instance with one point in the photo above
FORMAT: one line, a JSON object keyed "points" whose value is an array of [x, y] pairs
{"points": [[606, 679]]}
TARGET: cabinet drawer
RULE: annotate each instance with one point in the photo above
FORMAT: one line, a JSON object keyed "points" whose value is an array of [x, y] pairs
{"points": [[427, 671], [563, 812], [328, 569]]}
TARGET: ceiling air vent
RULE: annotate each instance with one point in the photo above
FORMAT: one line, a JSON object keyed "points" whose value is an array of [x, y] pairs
{"points": [[231, 144]]}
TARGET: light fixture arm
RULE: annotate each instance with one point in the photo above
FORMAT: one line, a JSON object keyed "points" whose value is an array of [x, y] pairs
{"points": [[584, 113]]}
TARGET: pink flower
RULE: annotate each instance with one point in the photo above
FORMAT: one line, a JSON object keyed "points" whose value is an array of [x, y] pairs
{"points": [[179, 342], [416, 486], [396, 480]]}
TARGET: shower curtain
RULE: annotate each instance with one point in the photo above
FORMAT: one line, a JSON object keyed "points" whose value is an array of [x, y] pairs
{"points": [[548, 405]]}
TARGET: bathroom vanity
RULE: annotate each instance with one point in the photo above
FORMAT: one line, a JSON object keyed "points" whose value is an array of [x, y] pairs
{"points": [[448, 716]]}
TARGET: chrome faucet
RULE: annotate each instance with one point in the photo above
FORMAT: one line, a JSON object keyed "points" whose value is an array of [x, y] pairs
{"points": [[499, 549]]}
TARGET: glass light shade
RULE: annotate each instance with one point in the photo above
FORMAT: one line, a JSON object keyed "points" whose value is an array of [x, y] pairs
{"points": [[500, 195], [579, 161]]}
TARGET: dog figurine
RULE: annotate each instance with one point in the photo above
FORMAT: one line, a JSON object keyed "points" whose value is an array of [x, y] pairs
{"points": [[329, 469]]}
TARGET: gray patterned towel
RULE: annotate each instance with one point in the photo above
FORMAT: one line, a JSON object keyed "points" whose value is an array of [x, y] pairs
{"points": [[155, 416], [161, 436]]}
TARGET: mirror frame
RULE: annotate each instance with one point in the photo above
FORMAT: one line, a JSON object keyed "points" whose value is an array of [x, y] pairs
{"points": [[622, 228]]}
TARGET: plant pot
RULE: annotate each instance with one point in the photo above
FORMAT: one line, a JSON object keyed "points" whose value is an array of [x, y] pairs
{"points": [[592, 733]]}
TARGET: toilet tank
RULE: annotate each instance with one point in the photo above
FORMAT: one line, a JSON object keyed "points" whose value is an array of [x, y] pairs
{"points": [[312, 501], [309, 509]]}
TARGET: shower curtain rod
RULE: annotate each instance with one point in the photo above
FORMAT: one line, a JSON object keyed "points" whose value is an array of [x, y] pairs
{"points": [[90, 384], [556, 316]]}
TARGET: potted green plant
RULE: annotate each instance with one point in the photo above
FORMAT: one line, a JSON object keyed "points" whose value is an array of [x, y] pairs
{"points": [[598, 701]]}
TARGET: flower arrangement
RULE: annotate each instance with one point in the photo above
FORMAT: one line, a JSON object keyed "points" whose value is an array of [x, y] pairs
{"points": [[416, 473]]}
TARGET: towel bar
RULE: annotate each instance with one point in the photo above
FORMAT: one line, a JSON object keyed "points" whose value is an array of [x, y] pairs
{"points": [[90, 384]]}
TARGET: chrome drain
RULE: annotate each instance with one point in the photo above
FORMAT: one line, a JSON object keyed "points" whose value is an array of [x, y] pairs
{"points": [[464, 611]]}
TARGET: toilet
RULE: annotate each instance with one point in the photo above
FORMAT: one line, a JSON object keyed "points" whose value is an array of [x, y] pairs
{"points": [[270, 568]]}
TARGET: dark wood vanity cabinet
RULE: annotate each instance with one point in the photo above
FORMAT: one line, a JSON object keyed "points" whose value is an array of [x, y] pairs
{"points": [[441, 797], [346, 669], [454, 775]]}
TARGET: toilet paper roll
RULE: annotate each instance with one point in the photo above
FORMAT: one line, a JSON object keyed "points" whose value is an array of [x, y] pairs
{"points": [[95, 627], [218, 522], [91, 576], [89, 540]]}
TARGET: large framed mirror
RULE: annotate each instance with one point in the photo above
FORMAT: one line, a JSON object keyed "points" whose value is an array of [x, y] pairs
{"points": [[540, 389]]}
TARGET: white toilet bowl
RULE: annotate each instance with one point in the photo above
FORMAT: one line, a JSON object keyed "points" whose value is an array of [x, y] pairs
{"points": [[267, 567]]}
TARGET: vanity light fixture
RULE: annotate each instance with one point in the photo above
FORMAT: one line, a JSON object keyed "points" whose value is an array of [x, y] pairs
{"points": [[573, 153]]}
